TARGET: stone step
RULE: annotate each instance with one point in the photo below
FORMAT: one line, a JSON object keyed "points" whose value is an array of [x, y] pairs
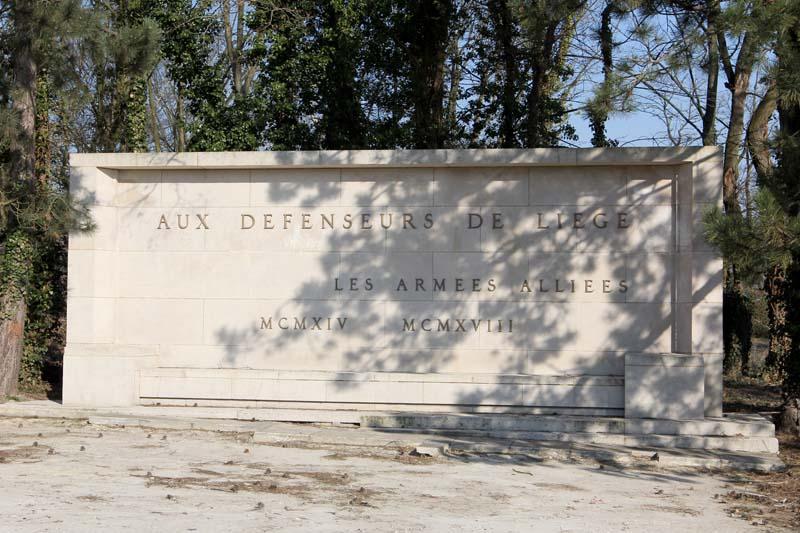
{"points": [[729, 426], [727, 444], [522, 439]]}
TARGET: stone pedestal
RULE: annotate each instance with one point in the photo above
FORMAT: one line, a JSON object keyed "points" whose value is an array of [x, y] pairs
{"points": [[664, 386]]}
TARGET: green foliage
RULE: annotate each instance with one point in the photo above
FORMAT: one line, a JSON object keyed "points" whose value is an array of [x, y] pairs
{"points": [[766, 239], [45, 326], [15, 267], [123, 47]]}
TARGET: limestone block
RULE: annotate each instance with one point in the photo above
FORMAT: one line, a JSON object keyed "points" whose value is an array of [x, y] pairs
{"points": [[707, 275], [382, 158], [92, 273], [425, 361], [699, 243], [707, 177], [104, 234], [591, 276], [482, 186], [391, 276], [297, 229], [194, 387], [206, 188], [159, 229], [296, 188], [103, 380], [651, 185], [713, 383], [374, 392], [163, 159], [568, 362], [664, 386], [91, 186], [431, 325], [279, 390], [165, 321], [473, 394], [707, 328], [138, 188], [649, 276], [449, 231], [90, 320], [578, 186], [493, 157], [261, 331], [383, 187], [579, 229], [222, 275], [481, 276], [599, 395], [275, 159]]}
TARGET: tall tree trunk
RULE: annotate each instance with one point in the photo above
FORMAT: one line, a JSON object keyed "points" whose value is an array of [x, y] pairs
{"points": [[503, 23], [789, 167], [775, 287], [180, 122], [454, 91], [14, 262], [135, 114], [429, 26], [758, 133], [738, 84], [541, 64], [598, 114], [342, 115], [737, 318], [712, 75], [155, 130], [12, 327]]}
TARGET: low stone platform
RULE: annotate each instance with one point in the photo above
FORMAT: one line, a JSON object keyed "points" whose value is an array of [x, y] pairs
{"points": [[733, 441]]}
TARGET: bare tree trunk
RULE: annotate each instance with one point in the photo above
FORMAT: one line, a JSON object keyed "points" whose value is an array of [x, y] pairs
{"points": [[155, 131], [455, 83], [712, 84], [758, 133], [180, 123], [12, 330], [738, 83]]}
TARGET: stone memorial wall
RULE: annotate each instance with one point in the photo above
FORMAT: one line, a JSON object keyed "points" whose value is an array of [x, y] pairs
{"points": [[547, 280]]}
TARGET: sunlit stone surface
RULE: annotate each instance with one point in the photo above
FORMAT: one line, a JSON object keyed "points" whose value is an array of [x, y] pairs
{"points": [[485, 280]]}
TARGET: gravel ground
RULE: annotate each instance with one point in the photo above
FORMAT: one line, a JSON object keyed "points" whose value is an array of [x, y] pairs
{"points": [[67, 475]]}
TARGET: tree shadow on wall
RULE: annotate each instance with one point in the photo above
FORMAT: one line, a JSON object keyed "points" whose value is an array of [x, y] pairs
{"points": [[580, 335]]}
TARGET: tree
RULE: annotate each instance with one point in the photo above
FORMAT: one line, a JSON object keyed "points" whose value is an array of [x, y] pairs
{"points": [[427, 38], [122, 47], [549, 27], [35, 35], [769, 242]]}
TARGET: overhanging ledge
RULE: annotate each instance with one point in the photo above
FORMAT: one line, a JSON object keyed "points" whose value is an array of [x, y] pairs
{"points": [[398, 158]]}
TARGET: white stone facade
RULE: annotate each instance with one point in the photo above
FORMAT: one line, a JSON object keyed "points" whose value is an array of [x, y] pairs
{"points": [[538, 280]]}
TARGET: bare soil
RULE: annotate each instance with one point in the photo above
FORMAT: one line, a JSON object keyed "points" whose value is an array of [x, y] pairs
{"points": [[58, 475], [772, 500]]}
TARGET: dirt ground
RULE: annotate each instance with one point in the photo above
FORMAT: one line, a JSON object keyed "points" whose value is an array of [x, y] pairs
{"points": [[773, 499], [67, 475]]}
